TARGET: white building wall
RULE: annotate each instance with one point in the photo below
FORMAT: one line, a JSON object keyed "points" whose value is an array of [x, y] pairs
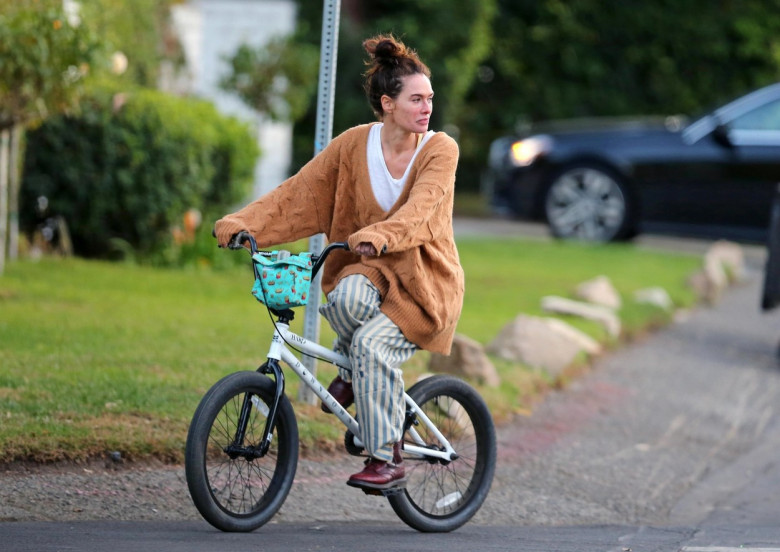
{"points": [[212, 30]]}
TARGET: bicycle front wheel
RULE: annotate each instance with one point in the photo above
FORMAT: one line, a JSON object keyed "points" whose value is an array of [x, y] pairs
{"points": [[441, 495], [233, 486]]}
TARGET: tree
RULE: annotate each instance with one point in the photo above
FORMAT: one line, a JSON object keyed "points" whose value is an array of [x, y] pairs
{"points": [[555, 59], [452, 39], [501, 63], [44, 58], [277, 79], [140, 30]]}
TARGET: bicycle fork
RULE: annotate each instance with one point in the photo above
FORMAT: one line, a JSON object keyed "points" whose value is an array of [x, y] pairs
{"points": [[236, 448]]}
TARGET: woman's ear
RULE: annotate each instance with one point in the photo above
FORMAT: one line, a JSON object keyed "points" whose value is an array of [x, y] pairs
{"points": [[387, 103]]}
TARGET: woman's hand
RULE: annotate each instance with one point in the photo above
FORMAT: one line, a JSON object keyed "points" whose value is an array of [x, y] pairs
{"points": [[225, 229], [366, 249]]}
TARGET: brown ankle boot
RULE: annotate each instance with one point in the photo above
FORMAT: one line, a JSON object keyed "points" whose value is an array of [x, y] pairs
{"points": [[381, 475], [342, 392]]}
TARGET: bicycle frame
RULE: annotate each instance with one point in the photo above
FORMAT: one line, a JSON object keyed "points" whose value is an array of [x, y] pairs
{"points": [[279, 352]]}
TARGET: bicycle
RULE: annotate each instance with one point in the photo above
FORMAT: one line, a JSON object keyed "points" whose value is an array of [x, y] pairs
{"points": [[242, 445]]}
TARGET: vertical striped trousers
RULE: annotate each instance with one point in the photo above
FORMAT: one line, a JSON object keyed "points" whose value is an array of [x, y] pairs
{"points": [[376, 349]]}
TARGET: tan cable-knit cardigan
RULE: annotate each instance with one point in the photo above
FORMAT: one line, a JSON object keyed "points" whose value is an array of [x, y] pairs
{"points": [[417, 272]]}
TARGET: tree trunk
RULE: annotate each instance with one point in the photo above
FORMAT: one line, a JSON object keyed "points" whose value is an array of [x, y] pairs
{"points": [[15, 172], [5, 138]]}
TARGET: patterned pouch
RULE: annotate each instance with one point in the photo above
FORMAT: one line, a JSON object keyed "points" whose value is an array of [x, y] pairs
{"points": [[283, 280]]}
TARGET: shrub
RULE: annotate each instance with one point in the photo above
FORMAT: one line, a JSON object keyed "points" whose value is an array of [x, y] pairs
{"points": [[131, 164]]}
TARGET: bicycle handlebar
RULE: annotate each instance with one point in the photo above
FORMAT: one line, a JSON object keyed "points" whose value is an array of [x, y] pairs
{"points": [[238, 240]]}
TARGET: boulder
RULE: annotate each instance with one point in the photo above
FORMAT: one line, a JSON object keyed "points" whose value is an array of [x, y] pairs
{"points": [[710, 281], [545, 343], [730, 257], [657, 296], [468, 359], [724, 263], [599, 291], [603, 315]]}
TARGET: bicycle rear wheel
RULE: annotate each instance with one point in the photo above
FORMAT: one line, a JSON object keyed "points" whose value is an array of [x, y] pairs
{"points": [[232, 486], [441, 496]]}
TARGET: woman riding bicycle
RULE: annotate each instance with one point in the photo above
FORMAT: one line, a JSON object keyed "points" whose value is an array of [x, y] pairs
{"points": [[387, 189]]}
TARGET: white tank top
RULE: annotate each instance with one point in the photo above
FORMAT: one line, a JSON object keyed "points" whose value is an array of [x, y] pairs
{"points": [[386, 188]]}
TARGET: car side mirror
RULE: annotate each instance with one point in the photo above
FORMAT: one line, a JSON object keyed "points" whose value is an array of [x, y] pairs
{"points": [[721, 135]]}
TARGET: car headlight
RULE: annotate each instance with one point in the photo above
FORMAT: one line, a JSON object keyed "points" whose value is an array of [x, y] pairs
{"points": [[525, 152]]}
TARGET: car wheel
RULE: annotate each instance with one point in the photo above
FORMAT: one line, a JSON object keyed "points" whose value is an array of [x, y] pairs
{"points": [[587, 203]]}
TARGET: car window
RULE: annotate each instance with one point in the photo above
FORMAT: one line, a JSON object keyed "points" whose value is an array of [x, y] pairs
{"points": [[766, 117]]}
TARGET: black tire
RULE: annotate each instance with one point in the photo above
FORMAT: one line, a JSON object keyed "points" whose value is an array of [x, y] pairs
{"points": [[349, 444], [588, 202], [442, 496], [240, 494]]}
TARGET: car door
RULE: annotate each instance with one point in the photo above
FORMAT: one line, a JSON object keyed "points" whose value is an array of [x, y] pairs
{"points": [[682, 183], [755, 164], [724, 175]]}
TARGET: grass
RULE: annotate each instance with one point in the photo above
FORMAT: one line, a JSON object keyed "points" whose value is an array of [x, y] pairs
{"points": [[99, 357]]}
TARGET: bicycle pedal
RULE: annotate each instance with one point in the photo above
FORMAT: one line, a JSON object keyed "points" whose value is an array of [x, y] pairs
{"points": [[383, 492], [393, 491]]}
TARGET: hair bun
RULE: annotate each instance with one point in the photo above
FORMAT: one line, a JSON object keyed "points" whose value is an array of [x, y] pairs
{"points": [[387, 50]]}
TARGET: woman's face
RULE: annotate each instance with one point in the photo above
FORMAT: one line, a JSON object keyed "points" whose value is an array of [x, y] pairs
{"points": [[411, 110]]}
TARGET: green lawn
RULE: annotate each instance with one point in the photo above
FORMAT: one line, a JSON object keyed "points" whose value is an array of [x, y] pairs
{"points": [[98, 357]]}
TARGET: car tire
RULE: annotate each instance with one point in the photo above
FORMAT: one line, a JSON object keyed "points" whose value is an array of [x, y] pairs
{"points": [[588, 202]]}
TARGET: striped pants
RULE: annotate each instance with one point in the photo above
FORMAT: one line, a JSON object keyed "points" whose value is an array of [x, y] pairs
{"points": [[376, 349]]}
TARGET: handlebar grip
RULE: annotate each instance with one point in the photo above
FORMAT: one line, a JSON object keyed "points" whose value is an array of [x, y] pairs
{"points": [[237, 240]]}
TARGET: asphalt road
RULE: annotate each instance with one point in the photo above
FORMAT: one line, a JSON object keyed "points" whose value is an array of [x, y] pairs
{"points": [[669, 444]]}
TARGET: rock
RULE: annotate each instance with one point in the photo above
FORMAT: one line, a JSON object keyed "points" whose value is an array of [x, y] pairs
{"points": [[599, 291], [710, 281], [723, 263], [715, 271], [545, 343], [730, 257], [603, 315], [657, 296], [468, 359], [703, 287]]}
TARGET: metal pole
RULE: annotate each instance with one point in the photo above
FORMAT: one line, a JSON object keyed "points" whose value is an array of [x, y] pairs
{"points": [[323, 134], [13, 191], [5, 144]]}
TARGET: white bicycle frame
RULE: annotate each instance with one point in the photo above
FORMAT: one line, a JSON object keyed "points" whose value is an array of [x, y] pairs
{"points": [[279, 351]]}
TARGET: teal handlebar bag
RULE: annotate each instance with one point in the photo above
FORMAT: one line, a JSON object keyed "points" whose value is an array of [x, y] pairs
{"points": [[283, 279]]}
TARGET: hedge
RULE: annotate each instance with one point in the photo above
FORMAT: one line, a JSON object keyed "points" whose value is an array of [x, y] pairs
{"points": [[131, 164]]}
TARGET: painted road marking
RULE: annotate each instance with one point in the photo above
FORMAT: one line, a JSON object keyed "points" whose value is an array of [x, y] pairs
{"points": [[726, 549]]}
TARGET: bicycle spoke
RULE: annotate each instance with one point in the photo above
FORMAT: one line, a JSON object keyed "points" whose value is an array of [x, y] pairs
{"points": [[441, 495], [441, 488], [238, 484]]}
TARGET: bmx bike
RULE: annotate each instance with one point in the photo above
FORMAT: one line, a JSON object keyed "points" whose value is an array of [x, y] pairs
{"points": [[242, 446]]}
